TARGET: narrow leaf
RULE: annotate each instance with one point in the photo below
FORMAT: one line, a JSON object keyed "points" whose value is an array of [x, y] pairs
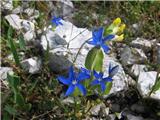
{"points": [[10, 110], [21, 42], [108, 88], [12, 46]]}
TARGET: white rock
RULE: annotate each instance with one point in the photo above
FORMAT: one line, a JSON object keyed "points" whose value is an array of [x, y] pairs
{"points": [[135, 26], [17, 10], [14, 20], [136, 69], [17, 23], [68, 100], [7, 4], [98, 108], [32, 65], [67, 7], [156, 95], [146, 80], [66, 35], [142, 43], [131, 56], [120, 80], [4, 71], [32, 13]]}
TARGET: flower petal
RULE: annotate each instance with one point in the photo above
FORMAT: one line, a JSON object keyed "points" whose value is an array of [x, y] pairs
{"points": [[64, 80], [105, 48], [82, 89], [98, 34], [113, 71], [108, 37], [92, 42], [100, 74], [103, 86], [95, 82], [71, 73], [96, 74], [70, 90], [108, 79]]}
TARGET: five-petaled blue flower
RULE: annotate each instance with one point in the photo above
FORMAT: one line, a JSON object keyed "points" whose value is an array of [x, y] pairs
{"points": [[57, 21], [74, 80], [99, 40], [99, 80]]}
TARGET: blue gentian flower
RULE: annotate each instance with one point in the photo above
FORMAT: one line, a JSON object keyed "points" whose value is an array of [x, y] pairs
{"points": [[57, 21], [99, 80], [84, 74], [100, 41], [74, 80], [113, 70]]}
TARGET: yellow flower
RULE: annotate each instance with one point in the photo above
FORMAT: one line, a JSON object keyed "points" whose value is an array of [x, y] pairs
{"points": [[119, 38], [117, 21], [121, 28]]}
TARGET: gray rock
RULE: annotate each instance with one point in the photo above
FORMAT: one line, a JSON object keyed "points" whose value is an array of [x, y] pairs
{"points": [[133, 117], [99, 109], [115, 108], [32, 65], [61, 59], [139, 108], [7, 5], [63, 8], [136, 69], [146, 80], [131, 56], [4, 71]]}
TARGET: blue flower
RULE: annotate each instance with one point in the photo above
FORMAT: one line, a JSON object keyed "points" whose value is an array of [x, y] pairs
{"points": [[57, 21], [99, 80], [74, 80], [113, 70], [84, 74], [99, 40]]}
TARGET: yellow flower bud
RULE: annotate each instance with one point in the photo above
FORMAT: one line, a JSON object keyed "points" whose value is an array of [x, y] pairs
{"points": [[117, 21], [121, 28], [119, 38]]}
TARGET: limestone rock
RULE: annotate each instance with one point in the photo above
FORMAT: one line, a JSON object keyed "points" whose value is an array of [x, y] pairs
{"points": [[145, 82], [32, 65]]}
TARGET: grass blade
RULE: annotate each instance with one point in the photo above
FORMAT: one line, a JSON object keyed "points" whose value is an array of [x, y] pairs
{"points": [[12, 46]]}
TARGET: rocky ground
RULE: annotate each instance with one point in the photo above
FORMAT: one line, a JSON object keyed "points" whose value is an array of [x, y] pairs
{"points": [[134, 94]]}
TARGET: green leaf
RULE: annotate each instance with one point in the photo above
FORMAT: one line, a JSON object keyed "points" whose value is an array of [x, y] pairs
{"points": [[10, 110], [14, 82], [94, 59], [108, 88], [108, 30], [12, 46], [21, 42], [157, 86], [6, 116], [19, 99], [27, 107]]}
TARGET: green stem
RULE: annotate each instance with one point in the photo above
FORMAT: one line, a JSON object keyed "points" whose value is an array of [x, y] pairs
{"points": [[79, 51]]}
